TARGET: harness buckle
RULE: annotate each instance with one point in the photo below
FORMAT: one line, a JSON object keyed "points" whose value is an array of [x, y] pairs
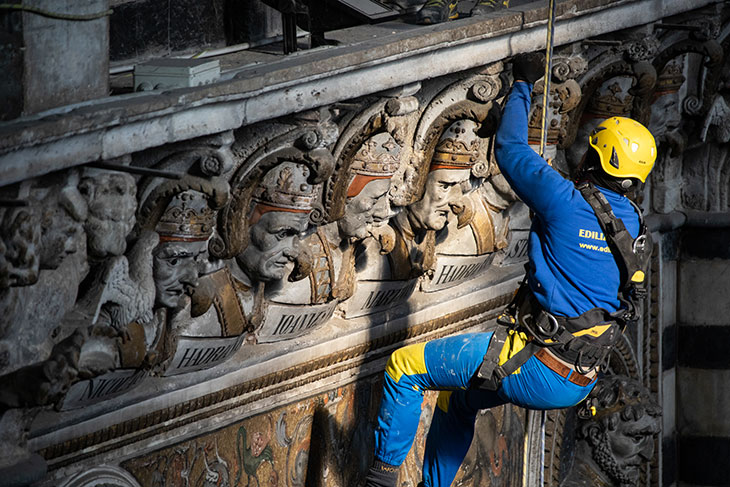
{"points": [[639, 245], [551, 320]]}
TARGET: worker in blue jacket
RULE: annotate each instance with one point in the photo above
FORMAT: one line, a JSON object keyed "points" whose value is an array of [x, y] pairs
{"points": [[587, 258]]}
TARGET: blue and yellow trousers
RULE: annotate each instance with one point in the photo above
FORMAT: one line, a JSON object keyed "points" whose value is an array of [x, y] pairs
{"points": [[448, 365]]}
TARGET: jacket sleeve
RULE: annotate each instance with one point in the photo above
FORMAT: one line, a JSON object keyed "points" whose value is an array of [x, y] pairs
{"points": [[541, 187]]}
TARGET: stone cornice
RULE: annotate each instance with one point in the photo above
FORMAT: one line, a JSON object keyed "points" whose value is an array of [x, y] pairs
{"points": [[112, 127]]}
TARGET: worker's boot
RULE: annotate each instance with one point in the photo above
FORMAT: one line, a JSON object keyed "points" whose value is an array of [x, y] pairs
{"points": [[382, 475], [437, 11], [483, 7]]}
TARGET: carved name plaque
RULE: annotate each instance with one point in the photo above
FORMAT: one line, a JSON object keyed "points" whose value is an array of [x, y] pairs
{"points": [[103, 387], [202, 353], [516, 251], [373, 296], [285, 321], [455, 269]]}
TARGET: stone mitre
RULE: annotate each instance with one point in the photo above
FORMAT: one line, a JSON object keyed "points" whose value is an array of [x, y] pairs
{"points": [[458, 147], [377, 158], [187, 218]]}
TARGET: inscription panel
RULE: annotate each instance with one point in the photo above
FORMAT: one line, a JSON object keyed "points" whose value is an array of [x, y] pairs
{"points": [[194, 354], [516, 251], [373, 296], [103, 387], [285, 321], [455, 269]]}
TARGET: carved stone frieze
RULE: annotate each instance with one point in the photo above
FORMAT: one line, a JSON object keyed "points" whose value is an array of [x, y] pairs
{"points": [[569, 66], [641, 50], [664, 123], [276, 196], [204, 156], [564, 97], [357, 225], [137, 298]]}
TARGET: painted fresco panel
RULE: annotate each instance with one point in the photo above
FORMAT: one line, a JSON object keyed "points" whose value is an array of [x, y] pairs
{"points": [[327, 441]]}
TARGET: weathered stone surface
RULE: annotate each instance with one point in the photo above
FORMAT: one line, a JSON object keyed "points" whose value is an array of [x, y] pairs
{"points": [[700, 418], [394, 60], [291, 293], [59, 65], [702, 292]]}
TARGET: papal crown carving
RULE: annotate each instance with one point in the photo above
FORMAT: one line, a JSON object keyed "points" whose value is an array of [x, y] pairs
{"points": [[613, 103], [458, 146], [377, 157], [286, 187], [670, 80], [187, 218]]}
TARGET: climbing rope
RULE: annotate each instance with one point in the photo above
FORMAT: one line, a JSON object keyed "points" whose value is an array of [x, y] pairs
{"points": [[543, 145], [548, 72]]}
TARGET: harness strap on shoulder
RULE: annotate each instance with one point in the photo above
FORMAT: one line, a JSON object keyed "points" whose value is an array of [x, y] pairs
{"points": [[617, 236]]}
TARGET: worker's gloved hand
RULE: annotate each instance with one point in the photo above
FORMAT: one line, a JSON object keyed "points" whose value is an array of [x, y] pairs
{"points": [[382, 475], [528, 67]]}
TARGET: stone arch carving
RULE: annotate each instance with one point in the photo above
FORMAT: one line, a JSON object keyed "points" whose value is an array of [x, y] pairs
{"points": [[470, 99], [301, 145], [374, 119], [628, 62], [590, 83], [565, 95], [157, 200], [704, 43]]}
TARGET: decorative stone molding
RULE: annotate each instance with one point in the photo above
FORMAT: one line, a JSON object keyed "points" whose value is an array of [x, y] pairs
{"points": [[102, 476], [145, 279]]}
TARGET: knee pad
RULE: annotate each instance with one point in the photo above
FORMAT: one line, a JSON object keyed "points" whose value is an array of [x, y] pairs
{"points": [[409, 360]]}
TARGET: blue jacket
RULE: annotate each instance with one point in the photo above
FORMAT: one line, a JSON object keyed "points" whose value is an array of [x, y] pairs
{"points": [[571, 267]]}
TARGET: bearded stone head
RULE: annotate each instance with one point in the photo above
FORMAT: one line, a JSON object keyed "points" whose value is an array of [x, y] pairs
{"points": [[618, 421], [111, 200], [20, 237], [62, 213]]}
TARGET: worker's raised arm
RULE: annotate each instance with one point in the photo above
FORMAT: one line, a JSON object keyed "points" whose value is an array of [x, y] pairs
{"points": [[532, 179]]}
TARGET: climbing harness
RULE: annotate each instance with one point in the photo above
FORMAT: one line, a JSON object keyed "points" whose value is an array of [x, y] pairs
{"points": [[583, 341], [634, 253]]}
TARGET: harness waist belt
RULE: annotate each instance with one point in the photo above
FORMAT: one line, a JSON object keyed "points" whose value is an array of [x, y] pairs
{"points": [[561, 369]]}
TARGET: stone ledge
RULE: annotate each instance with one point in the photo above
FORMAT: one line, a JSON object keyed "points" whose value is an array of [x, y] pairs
{"points": [[112, 127], [76, 441]]}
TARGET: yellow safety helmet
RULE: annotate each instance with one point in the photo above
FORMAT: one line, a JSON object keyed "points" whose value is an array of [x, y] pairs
{"points": [[626, 148]]}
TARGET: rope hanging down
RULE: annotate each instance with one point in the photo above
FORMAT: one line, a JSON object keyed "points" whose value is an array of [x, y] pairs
{"points": [[543, 145], [548, 73]]}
